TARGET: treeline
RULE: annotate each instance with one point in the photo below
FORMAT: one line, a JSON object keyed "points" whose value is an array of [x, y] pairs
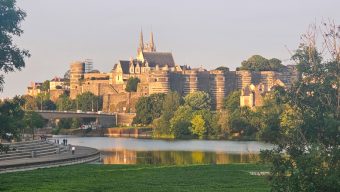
{"points": [[84, 102], [173, 116], [14, 121]]}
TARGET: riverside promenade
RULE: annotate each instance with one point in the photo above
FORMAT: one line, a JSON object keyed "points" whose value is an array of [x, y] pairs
{"points": [[44, 154]]}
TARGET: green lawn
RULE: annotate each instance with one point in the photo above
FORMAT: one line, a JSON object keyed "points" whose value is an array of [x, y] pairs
{"points": [[96, 177]]}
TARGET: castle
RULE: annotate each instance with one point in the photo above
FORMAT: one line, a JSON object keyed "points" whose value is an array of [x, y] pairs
{"points": [[159, 73]]}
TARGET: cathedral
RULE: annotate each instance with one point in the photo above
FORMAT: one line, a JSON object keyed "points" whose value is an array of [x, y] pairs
{"points": [[159, 73]]}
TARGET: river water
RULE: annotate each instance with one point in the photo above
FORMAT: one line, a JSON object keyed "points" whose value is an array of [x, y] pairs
{"points": [[149, 151]]}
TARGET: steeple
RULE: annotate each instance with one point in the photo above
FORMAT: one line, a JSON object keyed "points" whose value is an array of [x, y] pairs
{"points": [[141, 41], [152, 44]]}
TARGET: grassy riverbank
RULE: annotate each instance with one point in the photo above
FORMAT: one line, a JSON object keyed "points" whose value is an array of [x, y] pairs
{"points": [[93, 177]]}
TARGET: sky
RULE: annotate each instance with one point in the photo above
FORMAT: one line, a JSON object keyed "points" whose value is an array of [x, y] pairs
{"points": [[207, 33]]}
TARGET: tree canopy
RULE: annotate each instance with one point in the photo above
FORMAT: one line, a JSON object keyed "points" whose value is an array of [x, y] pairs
{"points": [[11, 116], [259, 63], [132, 84], [11, 56], [88, 102], [149, 108], [198, 100], [307, 154]]}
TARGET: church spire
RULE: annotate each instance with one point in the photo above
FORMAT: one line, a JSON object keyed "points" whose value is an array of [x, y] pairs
{"points": [[152, 44], [141, 41]]}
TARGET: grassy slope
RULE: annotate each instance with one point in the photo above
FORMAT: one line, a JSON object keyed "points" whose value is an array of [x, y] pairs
{"points": [[233, 177]]}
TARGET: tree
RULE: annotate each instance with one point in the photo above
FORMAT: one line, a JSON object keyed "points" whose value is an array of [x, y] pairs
{"points": [[181, 121], [223, 122], [11, 57], [259, 63], [307, 154], [11, 116], [33, 120], [89, 102], [198, 126], [45, 86], [170, 104], [30, 103], [64, 103], [132, 83], [149, 108], [232, 101], [222, 68], [198, 100]]}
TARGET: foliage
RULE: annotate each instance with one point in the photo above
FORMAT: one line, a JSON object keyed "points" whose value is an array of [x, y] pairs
{"points": [[181, 121], [33, 120], [222, 68], [149, 108], [11, 57], [11, 116], [64, 103], [45, 86], [170, 104], [198, 100], [132, 84], [89, 102], [30, 102], [223, 123], [307, 154], [198, 126], [232, 101], [65, 123], [259, 63], [242, 122]]}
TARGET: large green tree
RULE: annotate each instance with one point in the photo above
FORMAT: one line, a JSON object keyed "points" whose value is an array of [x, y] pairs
{"points": [[149, 108], [181, 122], [259, 63], [307, 154], [11, 56]]}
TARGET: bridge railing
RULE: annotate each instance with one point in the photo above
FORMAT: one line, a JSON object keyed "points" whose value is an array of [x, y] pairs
{"points": [[76, 112]]}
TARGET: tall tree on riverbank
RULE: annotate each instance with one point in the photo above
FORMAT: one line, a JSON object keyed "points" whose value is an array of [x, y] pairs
{"points": [[307, 154], [11, 56]]}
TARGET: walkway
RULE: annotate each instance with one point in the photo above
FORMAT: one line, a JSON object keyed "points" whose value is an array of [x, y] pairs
{"points": [[82, 155]]}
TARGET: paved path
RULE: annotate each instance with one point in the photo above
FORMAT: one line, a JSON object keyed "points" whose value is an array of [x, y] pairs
{"points": [[82, 155]]}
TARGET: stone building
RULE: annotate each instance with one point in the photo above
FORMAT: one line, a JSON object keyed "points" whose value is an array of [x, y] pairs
{"points": [[34, 89]]}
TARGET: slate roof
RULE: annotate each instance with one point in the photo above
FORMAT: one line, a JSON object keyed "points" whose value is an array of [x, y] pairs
{"points": [[159, 58], [125, 66]]}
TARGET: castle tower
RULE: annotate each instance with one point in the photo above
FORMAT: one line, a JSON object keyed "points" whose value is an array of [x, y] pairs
{"points": [[76, 75], [217, 88], [190, 81]]}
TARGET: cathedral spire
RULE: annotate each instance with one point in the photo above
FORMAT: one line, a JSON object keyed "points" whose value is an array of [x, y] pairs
{"points": [[152, 44], [141, 41]]}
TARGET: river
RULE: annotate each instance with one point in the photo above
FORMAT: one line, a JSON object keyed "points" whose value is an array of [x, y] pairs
{"points": [[149, 151]]}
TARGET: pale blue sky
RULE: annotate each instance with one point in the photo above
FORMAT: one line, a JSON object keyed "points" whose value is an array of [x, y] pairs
{"points": [[206, 33]]}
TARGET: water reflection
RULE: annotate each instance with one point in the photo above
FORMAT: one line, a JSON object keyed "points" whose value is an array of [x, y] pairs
{"points": [[148, 151], [175, 157]]}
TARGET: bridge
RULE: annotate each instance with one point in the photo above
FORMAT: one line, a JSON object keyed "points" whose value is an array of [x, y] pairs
{"points": [[103, 119]]}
